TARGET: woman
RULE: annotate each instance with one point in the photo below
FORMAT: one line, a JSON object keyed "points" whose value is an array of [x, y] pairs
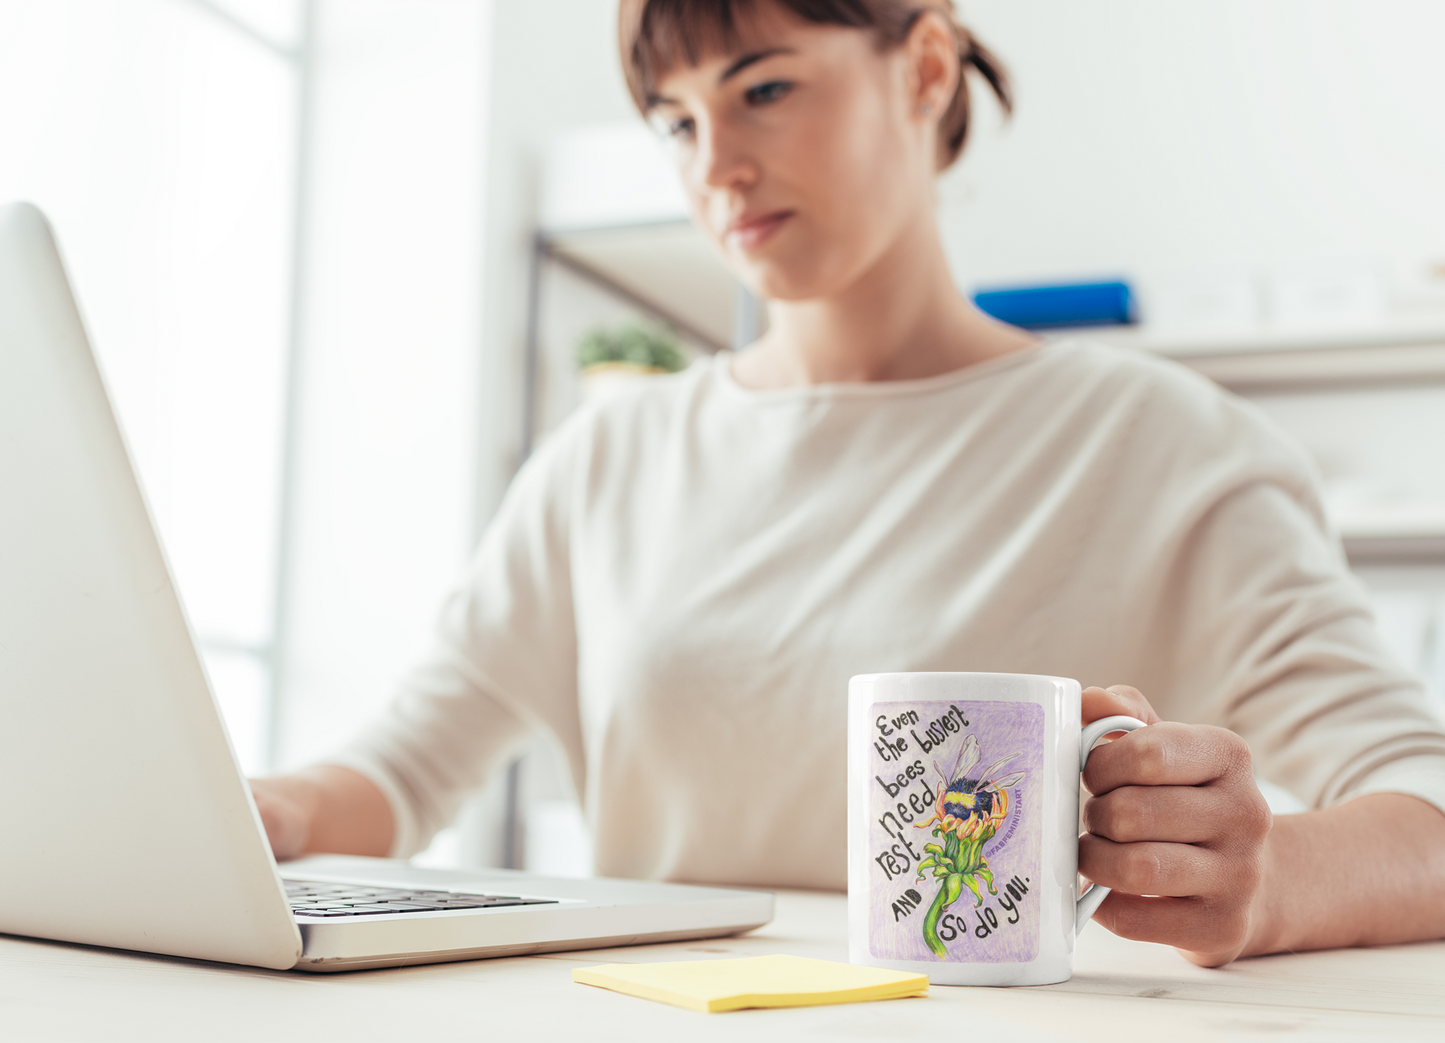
{"points": [[680, 583]]}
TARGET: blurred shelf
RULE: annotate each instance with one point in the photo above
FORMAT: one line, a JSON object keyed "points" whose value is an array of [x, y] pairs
{"points": [[1402, 350], [664, 267], [1415, 328], [1395, 550], [1409, 530], [667, 268], [1308, 370]]}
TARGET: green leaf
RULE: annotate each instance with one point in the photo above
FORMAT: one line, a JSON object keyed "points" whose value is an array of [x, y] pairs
{"points": [[955, 888]]}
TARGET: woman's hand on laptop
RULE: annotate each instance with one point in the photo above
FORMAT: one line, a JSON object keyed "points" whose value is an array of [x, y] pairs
{"points": [[285, 817], [324, 809]]}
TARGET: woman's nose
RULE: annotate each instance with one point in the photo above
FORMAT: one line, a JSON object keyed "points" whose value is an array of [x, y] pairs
{"points": [[722, 159]]}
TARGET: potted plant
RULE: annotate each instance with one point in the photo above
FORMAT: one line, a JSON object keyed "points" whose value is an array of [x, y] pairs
{"points": [[611, 355]]}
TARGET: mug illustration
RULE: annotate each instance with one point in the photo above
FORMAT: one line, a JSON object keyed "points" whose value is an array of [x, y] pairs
{"points": [[968, 813], [954, 848]]}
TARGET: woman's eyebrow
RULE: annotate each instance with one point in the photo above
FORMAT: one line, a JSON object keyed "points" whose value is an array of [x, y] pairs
{"points": [[751, 59], [654, 100]]}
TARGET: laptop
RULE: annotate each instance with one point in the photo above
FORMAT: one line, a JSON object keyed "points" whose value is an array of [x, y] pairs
{"points": [[124, 818]]}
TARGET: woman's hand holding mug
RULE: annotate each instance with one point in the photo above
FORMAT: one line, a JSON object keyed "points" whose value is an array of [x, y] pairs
{"points": [[963, 812], [1176, 826]]}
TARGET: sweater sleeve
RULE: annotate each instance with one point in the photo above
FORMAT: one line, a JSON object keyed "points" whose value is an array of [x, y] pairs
{"points": [[504, 663], [1262, 629]]}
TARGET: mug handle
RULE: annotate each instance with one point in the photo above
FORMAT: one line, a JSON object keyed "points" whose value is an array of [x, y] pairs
{"points": [[1090, 900]]}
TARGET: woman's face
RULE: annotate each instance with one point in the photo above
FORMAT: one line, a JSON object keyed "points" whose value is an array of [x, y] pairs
{"points": [[804, 153]]}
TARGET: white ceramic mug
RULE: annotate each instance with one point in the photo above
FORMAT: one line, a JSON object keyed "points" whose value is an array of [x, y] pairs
{"points": [[963, 811]]}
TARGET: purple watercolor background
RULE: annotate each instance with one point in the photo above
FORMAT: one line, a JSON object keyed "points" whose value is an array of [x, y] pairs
{"points": [[1001, 728]]}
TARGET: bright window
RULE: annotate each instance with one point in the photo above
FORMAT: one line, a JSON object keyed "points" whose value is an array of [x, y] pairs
{"points": [[159, 138]]}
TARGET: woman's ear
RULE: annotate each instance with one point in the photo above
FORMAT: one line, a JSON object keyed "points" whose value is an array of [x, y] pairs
{"points": [[934, 68]]}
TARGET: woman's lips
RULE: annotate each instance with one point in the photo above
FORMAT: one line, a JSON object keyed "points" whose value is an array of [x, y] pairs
{"points": [[749, 233]]}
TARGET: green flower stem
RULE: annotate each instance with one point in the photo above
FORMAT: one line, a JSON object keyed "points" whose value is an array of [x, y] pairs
{"points": [[965, 860], [930, 921]]}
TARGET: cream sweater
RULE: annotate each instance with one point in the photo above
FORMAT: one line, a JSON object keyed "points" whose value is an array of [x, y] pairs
{"points": [[682, 580]]}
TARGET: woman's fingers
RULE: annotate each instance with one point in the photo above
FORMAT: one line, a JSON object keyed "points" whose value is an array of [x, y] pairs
{"points": [[1153, 868], [1208, 932], [1177, 814], [1117, 700], [1167, 754], [284, 820]]}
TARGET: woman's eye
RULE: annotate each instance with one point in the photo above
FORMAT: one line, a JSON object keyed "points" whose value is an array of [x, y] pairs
{"points": [[767, 93], [677, 128]]}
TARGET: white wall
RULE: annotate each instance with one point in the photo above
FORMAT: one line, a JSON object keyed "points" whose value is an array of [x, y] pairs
{"points": [[383, 493], [554, 66], [429, 125], [1237, 132]]}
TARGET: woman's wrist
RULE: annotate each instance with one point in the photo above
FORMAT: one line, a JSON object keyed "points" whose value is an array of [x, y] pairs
{"points": [[307, 789], [345, 812], [1310, 897], [1269, 913]]}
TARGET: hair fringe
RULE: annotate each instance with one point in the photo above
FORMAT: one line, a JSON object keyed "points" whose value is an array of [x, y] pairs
{"points": [[654, 35]]}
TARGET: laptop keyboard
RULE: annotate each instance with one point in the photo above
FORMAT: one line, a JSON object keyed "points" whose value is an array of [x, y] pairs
{"points": [[313, 898]]}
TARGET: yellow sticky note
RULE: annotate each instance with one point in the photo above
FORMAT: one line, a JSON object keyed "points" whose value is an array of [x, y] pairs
{"points": [[758, 981]]}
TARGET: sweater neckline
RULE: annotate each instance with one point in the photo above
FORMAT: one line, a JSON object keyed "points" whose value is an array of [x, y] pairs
{"points": [[721, 370]]}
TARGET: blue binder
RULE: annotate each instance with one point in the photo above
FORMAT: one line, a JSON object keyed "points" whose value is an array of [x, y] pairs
{"points": [[1050, 307]]}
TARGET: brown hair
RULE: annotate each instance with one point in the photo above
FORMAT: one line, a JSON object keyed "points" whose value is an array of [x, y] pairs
{"points": [[654, 35]]}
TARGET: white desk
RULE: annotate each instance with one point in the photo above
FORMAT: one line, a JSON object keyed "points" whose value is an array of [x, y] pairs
{"points": [[1120, 991]]}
